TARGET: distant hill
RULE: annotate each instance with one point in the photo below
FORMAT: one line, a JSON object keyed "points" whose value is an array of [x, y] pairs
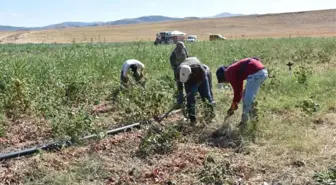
{"points": [[144, 19], [72, 25], [10, 28], [226, 14]]}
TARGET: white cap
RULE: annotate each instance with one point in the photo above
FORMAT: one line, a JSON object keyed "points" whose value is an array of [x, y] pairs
{"points": [[185, 71]]}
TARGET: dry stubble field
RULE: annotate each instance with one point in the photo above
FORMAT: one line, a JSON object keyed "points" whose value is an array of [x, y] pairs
{"points": [[312, 23]]}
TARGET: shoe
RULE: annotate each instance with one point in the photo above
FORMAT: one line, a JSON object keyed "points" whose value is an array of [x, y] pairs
{"points": [[213, 103], [242, 125], [178, 106], [192, 121]]}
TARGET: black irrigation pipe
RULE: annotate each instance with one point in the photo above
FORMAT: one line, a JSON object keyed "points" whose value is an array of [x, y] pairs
{"points": [[63, 144]]}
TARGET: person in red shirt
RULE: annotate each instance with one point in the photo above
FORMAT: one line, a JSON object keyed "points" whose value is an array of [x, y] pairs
{"points": [[250, 69]]}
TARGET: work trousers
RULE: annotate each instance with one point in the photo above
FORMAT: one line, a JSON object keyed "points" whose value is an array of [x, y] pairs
{"points": [[206, 94], [253, 84]]}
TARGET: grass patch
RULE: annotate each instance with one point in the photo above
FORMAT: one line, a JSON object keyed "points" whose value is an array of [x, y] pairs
{"points": [[88, 170], [326, 177]]}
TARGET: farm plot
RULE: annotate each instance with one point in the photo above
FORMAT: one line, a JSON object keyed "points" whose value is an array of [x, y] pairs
{"points": [[51, 92]]}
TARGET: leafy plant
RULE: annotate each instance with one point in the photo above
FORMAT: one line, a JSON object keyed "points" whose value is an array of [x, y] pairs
{"points": [[274, 80], [215, 173], [302, 74], [2, 129], [74, 124], [306, 55], [308, 105], [156, 142], [16, 101], [141, 104], [327, 178], [324, 57]]}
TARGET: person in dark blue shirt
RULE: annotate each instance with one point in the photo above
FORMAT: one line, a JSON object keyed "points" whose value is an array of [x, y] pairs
{"points": [[196, 78]]}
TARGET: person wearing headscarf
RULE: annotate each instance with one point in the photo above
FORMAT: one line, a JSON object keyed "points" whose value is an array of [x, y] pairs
{"points": [[195, 77], [179, 54], [249, 69], [136, 68]]}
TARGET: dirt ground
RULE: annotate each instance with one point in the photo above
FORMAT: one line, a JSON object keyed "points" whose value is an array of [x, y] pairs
{"points": [[114, 160]]}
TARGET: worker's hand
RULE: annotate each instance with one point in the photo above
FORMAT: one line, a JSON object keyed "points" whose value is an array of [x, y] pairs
{"points": [[234, 106], [230, 112], [124, 79]]}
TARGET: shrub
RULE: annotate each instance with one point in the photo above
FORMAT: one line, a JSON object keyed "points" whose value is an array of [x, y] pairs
{"points": [[159, 142], [73, 124], [302, 74], [308, 106], [16, 100], [215, 173]]}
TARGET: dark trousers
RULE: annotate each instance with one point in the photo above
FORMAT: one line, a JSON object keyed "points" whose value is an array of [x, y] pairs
{"points": [[210, 82], [205, 91], [179, 85], [180, 92]]}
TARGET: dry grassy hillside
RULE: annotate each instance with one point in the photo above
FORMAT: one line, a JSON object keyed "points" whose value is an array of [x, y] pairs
{"points": [[311, 23], [4, 34]]}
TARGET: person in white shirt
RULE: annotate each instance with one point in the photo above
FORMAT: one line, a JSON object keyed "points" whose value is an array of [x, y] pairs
{"points": [[136, 68]]}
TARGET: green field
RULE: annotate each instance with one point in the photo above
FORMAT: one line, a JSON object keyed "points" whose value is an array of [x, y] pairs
{"points": [[50, 91]]}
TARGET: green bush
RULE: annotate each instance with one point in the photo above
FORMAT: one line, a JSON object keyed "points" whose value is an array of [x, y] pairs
{"points": [[16, 98], [302, 74], [308, 105], [73, 124]]}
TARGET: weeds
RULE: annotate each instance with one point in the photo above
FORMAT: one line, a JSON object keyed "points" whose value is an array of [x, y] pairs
{"points": [[324, 57], [61, 77], [2, 126], [326, 178], [305, 56], [215, 173], [59, 83], [308, 105], [139, 104], [274, 80], [74, 124], [156, 142], [17, 103], [75, 92], [2, 129], [302, 74]]}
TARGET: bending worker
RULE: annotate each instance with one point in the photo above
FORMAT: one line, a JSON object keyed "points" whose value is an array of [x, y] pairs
{"points": [[136, 68], [195, 77], [251, 69], [179, 54]]}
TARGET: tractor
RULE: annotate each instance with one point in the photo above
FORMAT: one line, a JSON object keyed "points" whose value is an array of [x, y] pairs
{"points": [[169, 37]]}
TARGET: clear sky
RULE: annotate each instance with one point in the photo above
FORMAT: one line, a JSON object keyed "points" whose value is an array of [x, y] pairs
{"points": [[45, 12]]}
